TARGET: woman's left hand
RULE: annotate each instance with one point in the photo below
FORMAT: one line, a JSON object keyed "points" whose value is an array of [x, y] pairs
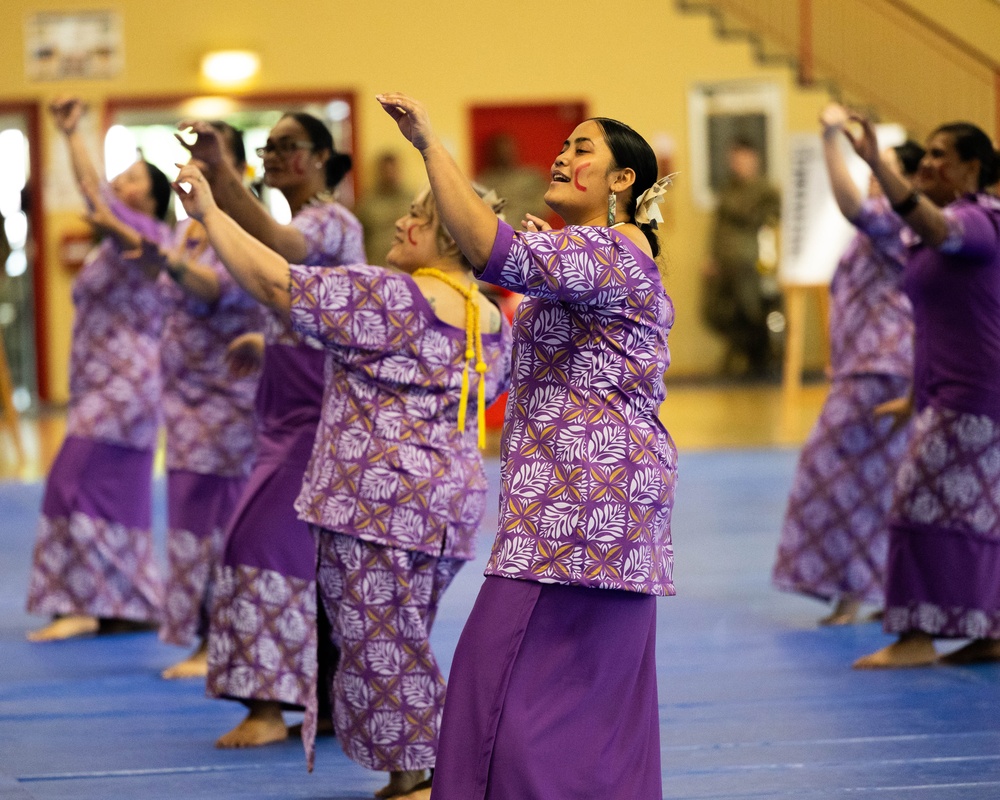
{"points": [[411, 117], [863, 139], [197, 199]]}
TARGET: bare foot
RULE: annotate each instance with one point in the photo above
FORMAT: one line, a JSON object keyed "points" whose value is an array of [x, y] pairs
{"points": [[194, 666], [401, 783], [844, 613], [263, 725], [977, 651], [67, 627], [910, 650]]}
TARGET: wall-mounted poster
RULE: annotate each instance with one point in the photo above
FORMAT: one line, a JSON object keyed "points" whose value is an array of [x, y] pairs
{"points": [[814, 234], [73, 44]]}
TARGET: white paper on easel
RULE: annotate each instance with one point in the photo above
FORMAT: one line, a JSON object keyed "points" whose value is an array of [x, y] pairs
{"points": [[814, 234]]}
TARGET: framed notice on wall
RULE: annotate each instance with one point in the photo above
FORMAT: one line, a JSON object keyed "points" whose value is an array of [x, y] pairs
{"points": [[73, 44]]}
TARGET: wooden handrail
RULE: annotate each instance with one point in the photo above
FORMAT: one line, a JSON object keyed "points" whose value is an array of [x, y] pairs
{"points": [[942, 33]]}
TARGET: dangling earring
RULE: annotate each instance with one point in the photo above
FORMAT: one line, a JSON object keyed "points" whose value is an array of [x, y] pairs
{"points": [[612, 208]]}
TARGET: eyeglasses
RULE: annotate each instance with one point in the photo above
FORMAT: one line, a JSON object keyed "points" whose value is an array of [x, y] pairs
{"points": [[283, 148]]}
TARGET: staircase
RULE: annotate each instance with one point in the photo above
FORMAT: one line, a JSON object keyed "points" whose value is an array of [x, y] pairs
{"points": [[882, 56]]}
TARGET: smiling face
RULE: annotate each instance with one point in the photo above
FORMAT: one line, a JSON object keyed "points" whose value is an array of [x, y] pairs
{"points": [[942, 174], [415, 243], [289, 158], [580, 175], [135, 189]]}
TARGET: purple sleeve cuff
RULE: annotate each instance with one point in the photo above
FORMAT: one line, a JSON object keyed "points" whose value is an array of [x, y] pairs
{"points": [[973, 232], [498, 256]]}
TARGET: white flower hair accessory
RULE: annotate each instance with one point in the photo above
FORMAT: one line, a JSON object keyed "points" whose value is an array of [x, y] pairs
{"points": [[647, 207]]}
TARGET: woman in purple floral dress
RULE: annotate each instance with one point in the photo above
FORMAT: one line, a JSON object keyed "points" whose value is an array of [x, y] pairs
{"points": [[262, 640], [395, 489], [93, 559], [553, 688], [944, 534], [208, 412], [835, 535]]}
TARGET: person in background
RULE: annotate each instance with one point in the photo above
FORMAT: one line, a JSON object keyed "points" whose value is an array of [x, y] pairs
{"points": [[521, 186], [835, 536], [944, 532], [552, 689], [263, 638], [385, 202], [738, 295], [93, 566], [209, 417]]}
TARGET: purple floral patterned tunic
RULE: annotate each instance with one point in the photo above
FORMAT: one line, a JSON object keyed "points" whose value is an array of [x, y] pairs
{"points": [[588, 469], [209, 414], [390, 465], [871, 321], [114, 363]]}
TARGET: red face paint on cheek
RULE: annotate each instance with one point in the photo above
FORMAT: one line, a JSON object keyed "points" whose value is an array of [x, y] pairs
{"points": [[409, 236], [576, 176], [298, 163]]}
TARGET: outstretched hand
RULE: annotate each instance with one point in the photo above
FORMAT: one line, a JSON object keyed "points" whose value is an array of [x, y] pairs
{"points": [[411, 117], [207, 146], [834, 117], [197, 198], [863, 139], [66, 113]]}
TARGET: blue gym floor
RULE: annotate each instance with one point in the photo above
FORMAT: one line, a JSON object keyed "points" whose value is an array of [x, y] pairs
{"points": [[755, 700]]}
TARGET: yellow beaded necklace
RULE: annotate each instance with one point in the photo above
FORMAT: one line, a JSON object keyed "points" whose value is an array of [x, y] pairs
{"points": [[473, 348]]}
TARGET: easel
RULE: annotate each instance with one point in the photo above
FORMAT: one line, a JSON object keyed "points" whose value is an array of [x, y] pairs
{"points": [[9, 418], [796, 296]]}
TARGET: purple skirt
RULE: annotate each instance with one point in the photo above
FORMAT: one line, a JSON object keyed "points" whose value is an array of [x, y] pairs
{"points": [[94, 552], [552, 694], [835, 535], [944, 539], [199, 508], [262, 642]]}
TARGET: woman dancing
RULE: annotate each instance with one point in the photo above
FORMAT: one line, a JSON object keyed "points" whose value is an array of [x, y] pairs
{"points": [[835, 537], [209, 415], [395, 489], [93, 558], [263, 634], [944, 535], [568, 606]]}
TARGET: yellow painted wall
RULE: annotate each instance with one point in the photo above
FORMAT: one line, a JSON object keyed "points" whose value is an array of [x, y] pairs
{"points": [[636, 66]]}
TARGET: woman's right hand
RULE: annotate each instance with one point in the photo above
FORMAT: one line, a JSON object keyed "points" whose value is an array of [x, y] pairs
{"points": [[245, 354], [411, 117], [197, 199], [66, 113], [207, 145]]}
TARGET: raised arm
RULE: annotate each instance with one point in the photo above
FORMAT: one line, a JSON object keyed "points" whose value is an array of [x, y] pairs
{"points": [[237, 200], [66, 113], [919, 213], [471, 223], [845, 191], [259, 270]]}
